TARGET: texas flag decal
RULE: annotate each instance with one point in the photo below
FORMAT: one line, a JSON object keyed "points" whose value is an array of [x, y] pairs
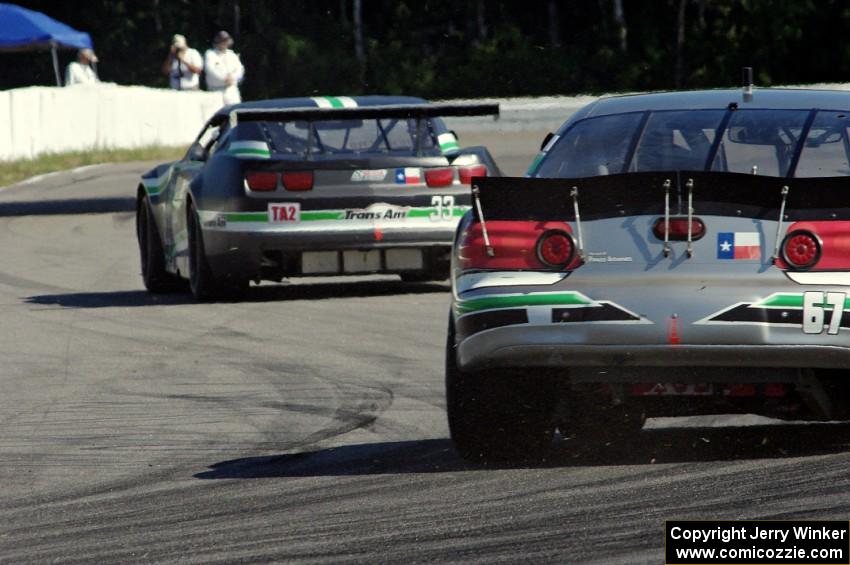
{"points": [[738, 245], [408, 175]]}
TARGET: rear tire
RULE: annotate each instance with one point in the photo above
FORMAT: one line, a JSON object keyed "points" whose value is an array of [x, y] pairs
{"points": [[205, 286], [498, 415], [157, 280]]}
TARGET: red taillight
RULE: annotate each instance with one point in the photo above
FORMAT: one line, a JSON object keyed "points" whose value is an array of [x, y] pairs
{"points": [[297, 180], [466, 173], [679, 228], [261, 180], [801, 249], [515, 245], [555, 248], [439, 177]]}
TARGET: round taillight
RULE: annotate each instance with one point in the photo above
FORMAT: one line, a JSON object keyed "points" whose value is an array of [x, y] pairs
{"points": [[556, 248], [801, 249]]}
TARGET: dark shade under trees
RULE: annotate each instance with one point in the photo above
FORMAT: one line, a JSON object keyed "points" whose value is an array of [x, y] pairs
{"points": [[464, 48]]}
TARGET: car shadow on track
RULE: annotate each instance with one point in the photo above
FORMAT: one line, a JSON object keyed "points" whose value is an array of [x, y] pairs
{"points": [[263, 293], [650, 447], [105, 205], [121, 298]]}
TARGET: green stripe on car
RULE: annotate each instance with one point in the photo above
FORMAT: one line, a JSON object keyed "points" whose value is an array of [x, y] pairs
{"points": [[534, 163], [155, 186], [247, 216], [518, 300], [249, 149], [448, 143], [334, 102], [786, 300]]}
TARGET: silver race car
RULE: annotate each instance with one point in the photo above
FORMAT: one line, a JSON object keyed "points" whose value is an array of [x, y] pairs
{"points": [[670, 254], [309, 186]]}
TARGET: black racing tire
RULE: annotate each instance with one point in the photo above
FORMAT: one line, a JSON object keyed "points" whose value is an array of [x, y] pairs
{"points": [[498, 415], [203, 283], [156, 278]]}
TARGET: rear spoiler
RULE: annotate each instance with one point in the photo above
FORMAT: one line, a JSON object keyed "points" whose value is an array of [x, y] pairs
{"points": [[626, 194], [400, 111]]}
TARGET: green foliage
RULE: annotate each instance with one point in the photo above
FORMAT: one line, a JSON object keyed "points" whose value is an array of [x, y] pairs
{"points": [[463, 48]]}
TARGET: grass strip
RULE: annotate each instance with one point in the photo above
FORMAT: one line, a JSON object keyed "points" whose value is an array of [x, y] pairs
{"points": [[15, 171]]}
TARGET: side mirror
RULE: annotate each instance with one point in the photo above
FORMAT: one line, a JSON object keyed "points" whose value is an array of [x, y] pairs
{"points": [[454, 133], [546, 140], [196, 152]]}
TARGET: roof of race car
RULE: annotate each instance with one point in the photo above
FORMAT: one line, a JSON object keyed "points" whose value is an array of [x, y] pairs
{"points": [[322, 102], [771, 98]]}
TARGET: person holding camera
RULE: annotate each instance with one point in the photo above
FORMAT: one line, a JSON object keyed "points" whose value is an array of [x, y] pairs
{"points": [[183, 65], [223, 69], [82, 71]]}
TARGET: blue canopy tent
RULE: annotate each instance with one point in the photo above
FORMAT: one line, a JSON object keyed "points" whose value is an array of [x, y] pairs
{"points": [[26, 30]]}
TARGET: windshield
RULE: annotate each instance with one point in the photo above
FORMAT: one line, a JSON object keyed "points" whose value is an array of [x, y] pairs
{"points": [[764, 142], [348, 136]]}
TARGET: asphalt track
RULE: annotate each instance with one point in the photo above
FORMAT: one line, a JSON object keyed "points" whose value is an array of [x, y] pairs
{"points": [[307, 423]]}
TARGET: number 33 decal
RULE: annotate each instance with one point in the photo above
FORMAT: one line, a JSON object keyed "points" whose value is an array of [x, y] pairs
{"points": [[445, 208], [816, 305]]}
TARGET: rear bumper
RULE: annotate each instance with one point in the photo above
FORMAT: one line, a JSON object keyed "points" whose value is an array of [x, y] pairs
{"points": [[559, 347], [494, 349], [248, 251], [610, 316]]}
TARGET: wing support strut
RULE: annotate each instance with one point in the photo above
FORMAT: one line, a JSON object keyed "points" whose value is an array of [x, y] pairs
{"points": [[574, 195], [784, 193], [487, 247]]}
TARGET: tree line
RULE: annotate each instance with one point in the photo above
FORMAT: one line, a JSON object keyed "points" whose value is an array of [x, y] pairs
{"points": [[464, 48]]}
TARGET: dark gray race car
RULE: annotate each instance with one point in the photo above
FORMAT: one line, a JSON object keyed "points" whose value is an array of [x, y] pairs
{"points": [[671, 254], [309, 186]]}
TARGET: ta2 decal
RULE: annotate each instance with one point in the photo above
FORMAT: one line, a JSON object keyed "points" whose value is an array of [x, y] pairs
{"points": [[286, 213]]}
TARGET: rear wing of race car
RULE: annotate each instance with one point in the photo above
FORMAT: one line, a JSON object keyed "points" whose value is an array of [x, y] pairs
{"points": [[400, 111], [666, 194], [419, 112], [739, 194]]}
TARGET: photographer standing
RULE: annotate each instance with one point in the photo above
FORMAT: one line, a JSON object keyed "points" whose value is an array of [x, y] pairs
{"points": [[82, 70], [183, 65], [224, 70]]}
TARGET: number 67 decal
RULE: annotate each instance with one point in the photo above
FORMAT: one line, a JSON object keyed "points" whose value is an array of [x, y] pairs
{"points": [[815, 306]]}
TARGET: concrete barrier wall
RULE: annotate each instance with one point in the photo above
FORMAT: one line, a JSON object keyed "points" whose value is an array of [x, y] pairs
{"points": [[39, 120], [48, 119]]}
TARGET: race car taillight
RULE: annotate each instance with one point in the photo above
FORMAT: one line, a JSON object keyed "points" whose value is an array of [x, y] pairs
{"points": [[556, 248], [517, 245], [466, 173], [801, 249], [297, 180], [436, 178], [261, 181], [679, 228]]}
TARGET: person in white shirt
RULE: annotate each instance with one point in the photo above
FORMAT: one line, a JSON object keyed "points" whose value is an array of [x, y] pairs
{"points": [[183, 65], [223, 69], [81, 71]]}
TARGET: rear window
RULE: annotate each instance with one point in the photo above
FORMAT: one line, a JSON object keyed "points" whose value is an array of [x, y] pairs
{"points": [[753, 141], [760, 142], [676, 141], [596, 146], [348, 136], [825, 153]]}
